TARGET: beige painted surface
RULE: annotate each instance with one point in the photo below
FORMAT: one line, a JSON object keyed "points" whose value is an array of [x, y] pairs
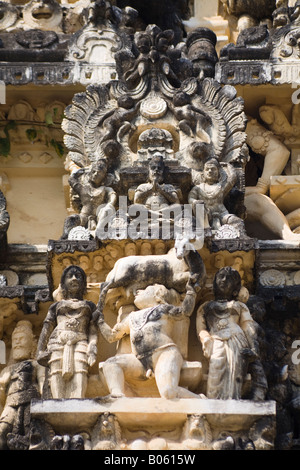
{"points": [[35, 201]]}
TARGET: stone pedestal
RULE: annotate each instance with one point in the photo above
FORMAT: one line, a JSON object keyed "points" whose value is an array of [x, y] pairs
{"points": [[167, 424]]}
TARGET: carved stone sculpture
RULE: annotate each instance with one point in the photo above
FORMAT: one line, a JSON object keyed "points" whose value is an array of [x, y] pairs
{"points": [[201, 44], [267, 143], [106, 434], [68, 340], [275, 153], [228, 336], [155, 90], [96, 199], [217, 181], [18, 382], [67, 442], [172, 270], [155, 195], [153, 350]]}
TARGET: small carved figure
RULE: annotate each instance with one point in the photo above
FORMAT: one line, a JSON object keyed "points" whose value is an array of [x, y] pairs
{"points": [[106, 434], [196, 433], [153, 141], [68, 340], [154, 351], [192, 121], [216, 184], [156, 195], [18, 386], [118, 123], [201, 43], [264, 142], [99, 12], [96, 199], [153, 60], [67, 442], [228, 335]]}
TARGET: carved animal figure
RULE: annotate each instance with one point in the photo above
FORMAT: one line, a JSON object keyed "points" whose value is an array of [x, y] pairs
{"points": [[173, 270]]}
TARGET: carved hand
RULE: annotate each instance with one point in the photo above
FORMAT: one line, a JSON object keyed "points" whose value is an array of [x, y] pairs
{"points": [[43, 358], [192, 284], [207, 345], [248, 353], [100, 317], [92, 353]]}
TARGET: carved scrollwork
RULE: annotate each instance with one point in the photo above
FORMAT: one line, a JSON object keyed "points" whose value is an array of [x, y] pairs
{"points": [[9, 16], [45, 14], [272, 278]]}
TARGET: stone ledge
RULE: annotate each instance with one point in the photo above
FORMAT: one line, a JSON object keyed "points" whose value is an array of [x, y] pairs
{"points": [[75, 413], [59, 73]]}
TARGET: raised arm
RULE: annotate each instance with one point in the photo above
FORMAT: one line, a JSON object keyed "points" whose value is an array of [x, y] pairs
{"points": [[142, 192], [117, 332], [250, 327], [111, 196], [48, 326], [74, 179], [92, 338], [202, 331], [229, 178], [187, 307]]}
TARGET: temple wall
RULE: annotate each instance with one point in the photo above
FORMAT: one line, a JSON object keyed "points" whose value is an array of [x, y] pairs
{"points": [[166, 105]]}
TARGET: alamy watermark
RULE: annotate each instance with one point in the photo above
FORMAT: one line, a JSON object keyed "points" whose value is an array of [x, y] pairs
{"points": [[296, 354], [136, 221], [296, 94]]}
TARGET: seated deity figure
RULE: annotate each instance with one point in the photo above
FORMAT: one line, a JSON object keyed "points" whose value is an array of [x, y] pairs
{"points": [[68, 340], [155, 195], [96, 199], [153, 349], [19, 384], [217, 180], [228, 335]]}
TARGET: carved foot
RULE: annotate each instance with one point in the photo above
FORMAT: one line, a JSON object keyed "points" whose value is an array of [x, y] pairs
{"points": [[116, 394]]}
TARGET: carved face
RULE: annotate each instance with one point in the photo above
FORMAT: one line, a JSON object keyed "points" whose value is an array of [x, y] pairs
{"points": [[97, 173], [22, 344], [211, 173], [155, 295], [73, 282], [146, 298], [227, 283], [156, 170]]}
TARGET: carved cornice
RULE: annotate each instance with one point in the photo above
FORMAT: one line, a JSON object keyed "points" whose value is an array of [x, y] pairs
{"points": [[263, 55]]}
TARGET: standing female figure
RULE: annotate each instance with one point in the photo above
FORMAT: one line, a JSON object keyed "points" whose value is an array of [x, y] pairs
{"points": [[68, 340], [228, 335]]}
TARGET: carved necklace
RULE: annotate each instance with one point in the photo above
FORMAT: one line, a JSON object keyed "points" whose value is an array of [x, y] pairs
{"points": [[210, 192], [138, 336]]}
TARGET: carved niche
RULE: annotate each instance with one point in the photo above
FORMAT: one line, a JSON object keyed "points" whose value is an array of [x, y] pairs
{"points": [[159, 106]]}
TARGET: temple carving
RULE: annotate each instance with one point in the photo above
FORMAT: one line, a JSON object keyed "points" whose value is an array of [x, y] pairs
{"points": [[149, 225]]}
